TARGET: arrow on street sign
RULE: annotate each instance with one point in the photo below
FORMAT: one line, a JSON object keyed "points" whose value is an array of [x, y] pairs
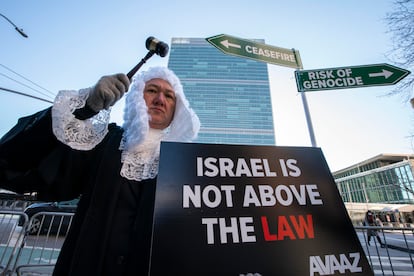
{"points": [[254, 50], [349, 77]]}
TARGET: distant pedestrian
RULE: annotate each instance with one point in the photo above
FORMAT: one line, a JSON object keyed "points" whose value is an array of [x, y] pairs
{"points": [[372, 220]]}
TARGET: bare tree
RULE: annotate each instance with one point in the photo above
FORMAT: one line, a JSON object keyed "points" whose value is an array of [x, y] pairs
{"points": [[401, 24]]}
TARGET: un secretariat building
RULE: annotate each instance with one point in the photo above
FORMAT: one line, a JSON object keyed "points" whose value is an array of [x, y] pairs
{"points": [[231, 95]]}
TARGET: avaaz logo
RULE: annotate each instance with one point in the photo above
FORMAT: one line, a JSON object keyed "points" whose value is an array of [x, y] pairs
{"points": [[331, 264]]}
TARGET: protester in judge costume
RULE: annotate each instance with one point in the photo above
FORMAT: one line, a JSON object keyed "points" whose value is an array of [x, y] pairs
{"points": [[71, 150]]}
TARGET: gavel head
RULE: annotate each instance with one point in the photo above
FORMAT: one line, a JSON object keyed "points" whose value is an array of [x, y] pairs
{"points": [[158, 47]]}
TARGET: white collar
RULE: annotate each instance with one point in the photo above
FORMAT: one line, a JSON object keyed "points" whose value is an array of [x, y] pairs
{"points": [[141, 161]]}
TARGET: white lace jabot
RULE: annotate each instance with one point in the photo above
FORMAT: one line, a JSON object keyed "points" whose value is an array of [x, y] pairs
{"points": [[141, 162]]}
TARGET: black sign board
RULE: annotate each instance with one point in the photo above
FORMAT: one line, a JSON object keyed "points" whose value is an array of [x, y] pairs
{"points": [[250, 210]]}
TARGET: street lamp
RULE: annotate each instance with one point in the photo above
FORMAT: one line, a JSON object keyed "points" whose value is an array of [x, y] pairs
{"points": [[15, 27]]}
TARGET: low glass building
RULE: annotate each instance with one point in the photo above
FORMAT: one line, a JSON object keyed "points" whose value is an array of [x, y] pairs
{"points": [[384, 183]]}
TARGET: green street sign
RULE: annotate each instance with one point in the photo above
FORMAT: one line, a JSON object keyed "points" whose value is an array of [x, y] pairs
{"points": [[349, 77], [254, 50]]}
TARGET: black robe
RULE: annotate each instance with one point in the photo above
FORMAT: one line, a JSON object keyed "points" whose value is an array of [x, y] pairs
{"points": [[111, 231]]}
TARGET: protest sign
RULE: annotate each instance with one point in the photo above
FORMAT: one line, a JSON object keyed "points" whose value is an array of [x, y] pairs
{"points": [[250, 210]]}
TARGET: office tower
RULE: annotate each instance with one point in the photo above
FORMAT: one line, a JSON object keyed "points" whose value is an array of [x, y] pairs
{"points": [[231, 95]]}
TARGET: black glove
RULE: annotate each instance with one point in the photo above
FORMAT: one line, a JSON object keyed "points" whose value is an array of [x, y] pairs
{"points": [[107, 91]]}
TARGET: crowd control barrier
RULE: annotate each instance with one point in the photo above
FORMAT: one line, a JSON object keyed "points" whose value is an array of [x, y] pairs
{"points": [[31, 246], [390, 250]]}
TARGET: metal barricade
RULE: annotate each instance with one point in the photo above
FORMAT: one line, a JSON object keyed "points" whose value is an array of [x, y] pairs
{"points": [[389, 250], [45, 234], [31, 246], [11, 239]]}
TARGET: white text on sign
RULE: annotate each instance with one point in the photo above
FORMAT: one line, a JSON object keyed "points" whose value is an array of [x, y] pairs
{"points": [[246, 229], [331, 79]]}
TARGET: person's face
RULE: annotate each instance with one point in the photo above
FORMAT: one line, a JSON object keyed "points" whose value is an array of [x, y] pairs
{"points": [[160, 99]]}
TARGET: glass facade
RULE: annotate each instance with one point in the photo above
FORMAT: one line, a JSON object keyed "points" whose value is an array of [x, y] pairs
{"points": [[231, 95], [380, 181]]}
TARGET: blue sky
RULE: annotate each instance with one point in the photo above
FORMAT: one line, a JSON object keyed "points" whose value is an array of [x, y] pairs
{"points": [[73, 43]]}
